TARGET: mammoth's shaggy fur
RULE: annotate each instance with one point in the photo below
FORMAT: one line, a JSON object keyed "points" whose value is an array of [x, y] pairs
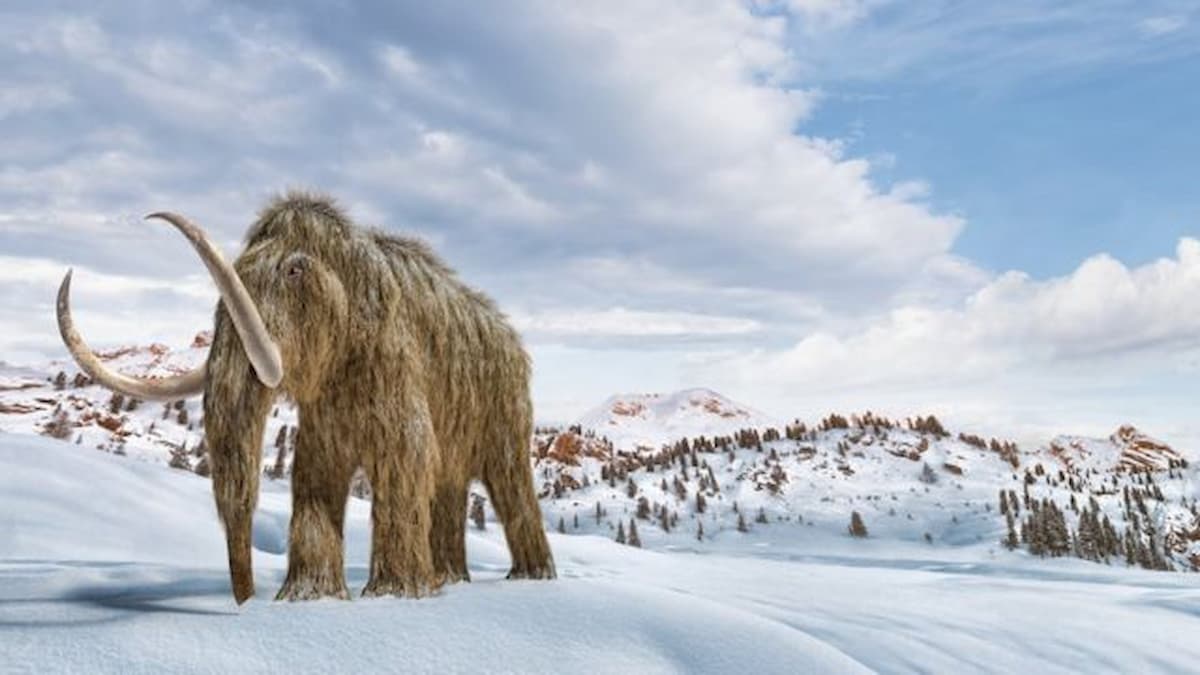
{"points": [[397, 367]]}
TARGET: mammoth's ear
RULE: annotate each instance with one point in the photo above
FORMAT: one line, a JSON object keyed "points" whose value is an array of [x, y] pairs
{"points": [[294, 267]]}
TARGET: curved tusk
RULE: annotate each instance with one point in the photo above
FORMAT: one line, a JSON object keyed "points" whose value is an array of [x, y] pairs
{"points": [[260, 348], [171, 388]]}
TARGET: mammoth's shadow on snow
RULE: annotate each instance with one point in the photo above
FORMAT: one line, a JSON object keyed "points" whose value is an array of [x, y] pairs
{"points": [[105, 592]]}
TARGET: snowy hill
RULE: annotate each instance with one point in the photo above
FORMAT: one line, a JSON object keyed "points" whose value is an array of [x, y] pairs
{"points": [[695, 470], [911, 483], [109, 565], [649, 420]]}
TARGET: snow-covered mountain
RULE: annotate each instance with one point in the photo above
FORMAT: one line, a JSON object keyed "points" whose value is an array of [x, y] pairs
{"points": [[693, 469], [649, 420]]}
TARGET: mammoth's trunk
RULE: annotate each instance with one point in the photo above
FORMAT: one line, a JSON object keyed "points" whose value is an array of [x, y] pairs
{"points": [[236, 405]]}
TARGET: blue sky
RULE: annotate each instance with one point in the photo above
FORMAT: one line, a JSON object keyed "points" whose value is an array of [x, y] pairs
{"points": [[1051, 154], [986, 211]]}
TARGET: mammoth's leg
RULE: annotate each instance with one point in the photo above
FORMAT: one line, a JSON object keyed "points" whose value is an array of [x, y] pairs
{"points": [[447, 535], [320, 488], [509, 482], [402, 484]]}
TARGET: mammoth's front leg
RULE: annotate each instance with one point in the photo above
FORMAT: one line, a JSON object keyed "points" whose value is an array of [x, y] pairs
{"points": [[320, 486], [402, 485]]}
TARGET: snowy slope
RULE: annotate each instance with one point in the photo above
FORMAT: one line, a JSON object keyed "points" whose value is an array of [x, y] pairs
{"points": [[112, 565], [30, 400], [808, 484], [649, 420]]}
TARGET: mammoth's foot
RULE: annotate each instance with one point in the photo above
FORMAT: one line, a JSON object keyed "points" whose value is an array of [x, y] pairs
{"points": [[453, 576], [409, 586], [312, 589], [543, 570]]}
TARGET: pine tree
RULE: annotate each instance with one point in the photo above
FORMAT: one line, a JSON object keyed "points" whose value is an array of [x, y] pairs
{"points": [[59, 425], [562, 526], [1033, 531], [477, 513], [179, 458], [761, 517], [634, 539], [699, 531], [741, 524], [620, 532], [857, 528], [701, 502], [680, 490], [928, 475], [1011, 541]]}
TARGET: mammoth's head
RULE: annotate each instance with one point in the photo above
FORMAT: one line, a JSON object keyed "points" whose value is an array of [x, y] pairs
{"points": [[282, 310]]}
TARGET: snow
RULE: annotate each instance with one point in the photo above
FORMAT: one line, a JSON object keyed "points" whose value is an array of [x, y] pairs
{"points": [[114, 564], [111, 561], [649, 420]]}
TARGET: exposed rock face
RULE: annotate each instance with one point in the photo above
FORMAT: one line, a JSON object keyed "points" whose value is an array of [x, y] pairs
{"points": [[1140, 452], [1127, 450]]}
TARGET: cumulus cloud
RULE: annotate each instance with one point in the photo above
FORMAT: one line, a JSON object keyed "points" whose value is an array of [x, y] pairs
{"points": [[1052, 346], [1102, 307], [661, 133], [635, 182]]}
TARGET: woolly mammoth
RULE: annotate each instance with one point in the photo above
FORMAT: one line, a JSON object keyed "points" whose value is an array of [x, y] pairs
{"points": [[396, 367]]}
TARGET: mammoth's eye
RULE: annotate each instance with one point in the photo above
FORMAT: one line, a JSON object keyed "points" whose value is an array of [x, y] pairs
{"points": [[294, 267]]}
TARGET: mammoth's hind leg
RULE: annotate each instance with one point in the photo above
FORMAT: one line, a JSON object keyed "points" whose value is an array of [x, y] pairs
{"points": [[509, 482], [448, 530], [320, 488]]}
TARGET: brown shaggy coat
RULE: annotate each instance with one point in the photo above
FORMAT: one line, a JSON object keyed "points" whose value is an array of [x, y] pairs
{"points": [[397, 367]]}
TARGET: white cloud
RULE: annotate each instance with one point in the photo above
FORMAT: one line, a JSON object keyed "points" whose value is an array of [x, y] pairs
{"points": [[1082, 346], [826, 14], [1161, 25], [109, 309], [983, 46], [29, 97], [638, 173], [1101, 308], [622, 322]]}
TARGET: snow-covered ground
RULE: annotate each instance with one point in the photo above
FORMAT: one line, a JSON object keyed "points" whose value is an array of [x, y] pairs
{"points": [[113, 564]]}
